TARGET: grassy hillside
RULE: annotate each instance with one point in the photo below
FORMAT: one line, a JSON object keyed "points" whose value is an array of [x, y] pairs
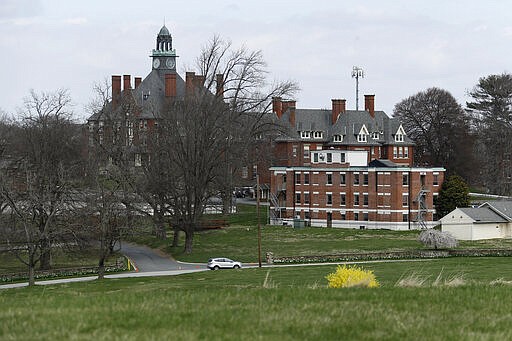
{"points": [[286, 303]]}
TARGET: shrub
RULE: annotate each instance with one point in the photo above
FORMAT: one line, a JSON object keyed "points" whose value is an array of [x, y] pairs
{"points": [[437, 239], [351, 276]]}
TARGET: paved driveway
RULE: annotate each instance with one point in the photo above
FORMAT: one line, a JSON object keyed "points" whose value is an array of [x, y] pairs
{"points": [[149, 260]]}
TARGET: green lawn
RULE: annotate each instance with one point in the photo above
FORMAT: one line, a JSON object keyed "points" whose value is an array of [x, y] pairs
{"points": [[293, 305]]}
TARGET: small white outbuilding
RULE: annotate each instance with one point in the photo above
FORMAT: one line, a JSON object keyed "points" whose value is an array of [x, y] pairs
{"points": [[488, 221]]}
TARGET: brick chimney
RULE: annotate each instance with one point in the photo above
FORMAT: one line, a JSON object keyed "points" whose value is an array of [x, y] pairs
{"points": [[338, 107], [116, 91], [277, 106], [289, 105], [189, 82], [369, 104], [199, 81], [138, 80], [170, 85], [219, 78], [127, 82]]}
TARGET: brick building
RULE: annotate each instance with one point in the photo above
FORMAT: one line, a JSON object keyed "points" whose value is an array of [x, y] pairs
{"points": [[136, 106], [348, 168]]}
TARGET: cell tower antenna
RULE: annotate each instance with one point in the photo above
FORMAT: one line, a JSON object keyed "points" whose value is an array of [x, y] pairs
{"points": [[356, 73]]}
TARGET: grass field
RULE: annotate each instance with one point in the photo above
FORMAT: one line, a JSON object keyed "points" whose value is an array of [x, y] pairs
{"points": [[446, 299], [286, 303]]}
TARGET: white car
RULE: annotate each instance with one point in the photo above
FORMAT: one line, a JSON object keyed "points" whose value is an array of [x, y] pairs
{"points": [[223, 263]]}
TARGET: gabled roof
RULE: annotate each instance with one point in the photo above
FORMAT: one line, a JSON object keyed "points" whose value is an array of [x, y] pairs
{"points": [[348, 124], [482, 215], [503, 208]]}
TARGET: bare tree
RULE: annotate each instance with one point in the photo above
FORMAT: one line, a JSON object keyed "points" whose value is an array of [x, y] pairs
{"points": [[202, 137], [492, 112], [43, 166], [440, 128]]}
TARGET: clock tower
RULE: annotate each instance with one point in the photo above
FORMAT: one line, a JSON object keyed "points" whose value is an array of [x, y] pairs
{"points": [[164, 56]]}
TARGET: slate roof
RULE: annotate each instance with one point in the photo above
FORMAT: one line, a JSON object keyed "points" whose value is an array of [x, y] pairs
{"points": [[149, 96], [504, 208], [383, 163], [348, 125], [483, 215]]}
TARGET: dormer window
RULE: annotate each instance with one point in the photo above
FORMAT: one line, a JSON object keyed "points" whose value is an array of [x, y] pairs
{"points": [[375, 135], [338, 138], [305, 134], [318, 134], [400, 133], [363, 134]]}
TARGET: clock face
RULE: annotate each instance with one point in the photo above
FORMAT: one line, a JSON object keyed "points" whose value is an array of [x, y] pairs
{"points": [[156, 63], [171, 63]]}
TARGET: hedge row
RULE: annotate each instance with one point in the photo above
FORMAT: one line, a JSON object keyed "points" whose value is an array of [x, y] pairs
{"points": [[70, 272], [412, 254]]}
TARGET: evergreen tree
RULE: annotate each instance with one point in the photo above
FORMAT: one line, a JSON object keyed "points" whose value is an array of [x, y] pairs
{"points": [[454, 193]]}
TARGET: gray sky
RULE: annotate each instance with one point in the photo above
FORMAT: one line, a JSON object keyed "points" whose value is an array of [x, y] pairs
{"points": [[403, 46]]}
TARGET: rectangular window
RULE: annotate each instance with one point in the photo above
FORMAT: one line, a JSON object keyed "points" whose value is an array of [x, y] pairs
{"points": [[343, 216], [315, 157], [343, 199], [329, 179], [306, 151], [245, 172], [138, 160], [306, 178], [343, 179], [356, 216], [356, 179], [365, 216], [306, 198], [365, 199], [294, 151], [435, 181], [405, 217], [405, 199], [329, 198], [356, 199], [405, 179], [395, 152], [297, 178], [297, 198], [400, 152], [365, 179], [406, 152], [342, 157], [329, 157]]}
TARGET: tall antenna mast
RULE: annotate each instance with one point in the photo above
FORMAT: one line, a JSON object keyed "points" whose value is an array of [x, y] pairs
{"points": [[356, 73]]}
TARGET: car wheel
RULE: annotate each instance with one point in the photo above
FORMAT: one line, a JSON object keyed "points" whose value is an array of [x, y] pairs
{"points": [[236, 266], [216, 267]]}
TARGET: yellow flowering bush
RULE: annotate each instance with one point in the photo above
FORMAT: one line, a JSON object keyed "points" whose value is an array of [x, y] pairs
{"points": [[351, 276]]}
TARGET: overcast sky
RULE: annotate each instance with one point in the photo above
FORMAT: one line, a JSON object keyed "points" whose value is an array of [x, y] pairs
{"points": [[403, 46]]}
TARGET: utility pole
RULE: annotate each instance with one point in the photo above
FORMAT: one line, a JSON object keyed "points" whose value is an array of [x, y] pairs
{"points": [[258, 215], [356, 73]]}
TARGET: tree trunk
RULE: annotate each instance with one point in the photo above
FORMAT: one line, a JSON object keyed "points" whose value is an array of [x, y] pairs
{"points": [[176, 236], [31, 274], [189, 238], [227, 199], [159, 222], [101, 267], [45, 261]]}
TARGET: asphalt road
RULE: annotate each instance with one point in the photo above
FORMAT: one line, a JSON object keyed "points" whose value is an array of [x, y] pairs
{"points": [[147, 260]]}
